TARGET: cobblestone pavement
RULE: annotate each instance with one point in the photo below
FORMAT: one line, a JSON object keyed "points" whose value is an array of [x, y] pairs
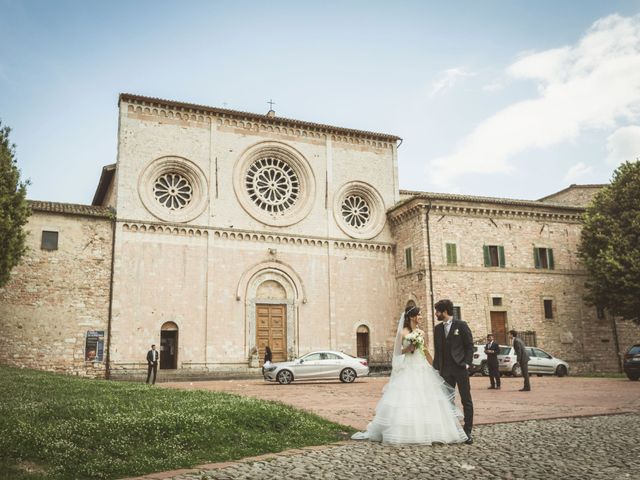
{"points": [[587, 448]]}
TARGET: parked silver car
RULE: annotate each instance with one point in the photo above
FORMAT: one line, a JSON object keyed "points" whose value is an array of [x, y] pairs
{"points": [[326, 364], [540, 362]]}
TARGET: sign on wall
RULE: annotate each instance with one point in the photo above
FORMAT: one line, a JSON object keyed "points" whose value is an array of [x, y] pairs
{"points": [[94, 346]]}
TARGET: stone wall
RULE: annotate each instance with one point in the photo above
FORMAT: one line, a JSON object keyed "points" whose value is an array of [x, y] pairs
{"points": [[55, 297], [574, 333], [576, 195]]}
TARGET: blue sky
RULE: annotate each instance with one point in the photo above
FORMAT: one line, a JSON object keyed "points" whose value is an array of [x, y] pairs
{"points": [[501, 98]]}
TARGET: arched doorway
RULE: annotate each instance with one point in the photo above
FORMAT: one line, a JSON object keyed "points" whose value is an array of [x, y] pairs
{"points": [[271, 320], [169, 346], [362, 335]]}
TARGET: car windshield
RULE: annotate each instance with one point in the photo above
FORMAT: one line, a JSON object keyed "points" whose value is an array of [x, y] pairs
{"points": [[505, 350], [635, 350]]}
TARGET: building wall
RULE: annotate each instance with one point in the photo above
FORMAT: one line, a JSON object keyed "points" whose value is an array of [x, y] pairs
{"points": [[55, 297], [575, 334], [202, 273]]}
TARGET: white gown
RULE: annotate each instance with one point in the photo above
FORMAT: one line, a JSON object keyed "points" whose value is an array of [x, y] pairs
{"points": [[416, 407]]}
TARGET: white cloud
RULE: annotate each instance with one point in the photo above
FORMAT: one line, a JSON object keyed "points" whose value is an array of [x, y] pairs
{"points": [[623, 144], [447, 79], [593, 84], [576, 172]]}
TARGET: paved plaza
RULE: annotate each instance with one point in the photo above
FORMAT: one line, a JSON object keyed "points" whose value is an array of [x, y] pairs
{"points": [[586, 448], [354, 404], [565, 428]]}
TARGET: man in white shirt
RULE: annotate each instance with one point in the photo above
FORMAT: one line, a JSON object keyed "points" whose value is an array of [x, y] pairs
{"points": [[152, 361], [453, 354]]}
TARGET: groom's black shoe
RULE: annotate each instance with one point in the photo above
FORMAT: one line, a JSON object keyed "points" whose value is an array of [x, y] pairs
{"points": [[469, 440]]}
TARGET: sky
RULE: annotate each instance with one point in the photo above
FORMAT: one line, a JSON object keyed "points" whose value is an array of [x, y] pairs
{"points": [[510, 98]]}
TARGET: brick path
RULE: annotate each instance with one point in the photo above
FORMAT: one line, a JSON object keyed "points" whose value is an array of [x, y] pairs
{"points": [[354, 404]]}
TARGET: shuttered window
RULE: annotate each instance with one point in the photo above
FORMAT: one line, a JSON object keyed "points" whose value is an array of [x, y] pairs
{"points": [[548, 309], [543, 258], [452, 254], [494, 256], [408, 258]]}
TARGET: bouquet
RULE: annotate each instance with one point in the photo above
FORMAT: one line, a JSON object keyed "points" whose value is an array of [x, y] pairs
{"points": [[416, 339]]}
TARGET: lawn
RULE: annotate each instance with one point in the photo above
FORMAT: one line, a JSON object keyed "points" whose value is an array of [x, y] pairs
{"points": [[61, 427]]}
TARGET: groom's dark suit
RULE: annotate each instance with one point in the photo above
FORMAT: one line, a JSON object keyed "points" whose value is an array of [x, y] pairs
{"points": [[452, 355]]}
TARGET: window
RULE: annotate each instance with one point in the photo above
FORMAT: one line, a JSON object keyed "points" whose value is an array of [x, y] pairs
{"points": [[49, 240], [452, 254], [496, 301], [408, 258], [543, 258], [548, 309], [529, 338], [457, 313], [494, 256], [600, 313], [541, 354]]}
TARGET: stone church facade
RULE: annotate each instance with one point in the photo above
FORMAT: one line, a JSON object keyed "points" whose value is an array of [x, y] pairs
{"points": [[219, 232]]}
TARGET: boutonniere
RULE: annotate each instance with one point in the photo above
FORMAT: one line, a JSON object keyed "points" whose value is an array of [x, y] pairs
{"points": [[456, 332]]}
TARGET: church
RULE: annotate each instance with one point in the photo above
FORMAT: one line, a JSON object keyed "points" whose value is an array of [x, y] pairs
{"points": [[218, 232]]}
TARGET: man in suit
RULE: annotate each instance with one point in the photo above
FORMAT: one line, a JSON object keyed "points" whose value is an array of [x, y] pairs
{"points": [[453, 354], [523, 359], [492, 349], [152, 362]]}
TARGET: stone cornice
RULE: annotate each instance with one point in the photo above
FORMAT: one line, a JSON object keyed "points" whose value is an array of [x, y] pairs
{"points": [[444, 204], [256, 236], [160, 108]]}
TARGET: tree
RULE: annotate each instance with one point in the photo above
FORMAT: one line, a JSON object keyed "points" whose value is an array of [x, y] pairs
{"points": [[610, 245], [14, 210]]}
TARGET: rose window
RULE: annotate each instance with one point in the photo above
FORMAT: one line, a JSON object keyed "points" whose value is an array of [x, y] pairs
{"points": [[355, 211], [272, 184], [173, 191]]}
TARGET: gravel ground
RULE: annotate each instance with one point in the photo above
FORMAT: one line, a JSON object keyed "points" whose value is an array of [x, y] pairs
{"points": [[588, 448]]}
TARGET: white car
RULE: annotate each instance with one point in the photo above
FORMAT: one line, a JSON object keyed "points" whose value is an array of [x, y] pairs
{"points": [[320, 365], [540, 362]]}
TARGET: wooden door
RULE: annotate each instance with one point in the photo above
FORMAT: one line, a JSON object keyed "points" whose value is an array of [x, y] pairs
{"points": [[499, 327], [271, 325], [363, 345]]}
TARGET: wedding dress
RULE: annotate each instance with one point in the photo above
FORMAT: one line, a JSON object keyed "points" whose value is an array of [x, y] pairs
{"points": [[416, 405]]}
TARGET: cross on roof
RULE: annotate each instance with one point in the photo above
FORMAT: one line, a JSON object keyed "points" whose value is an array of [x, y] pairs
{"points": [[271, 104]]}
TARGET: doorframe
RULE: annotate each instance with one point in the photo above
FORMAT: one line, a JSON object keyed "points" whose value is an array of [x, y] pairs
{"points": [[506, 323]]}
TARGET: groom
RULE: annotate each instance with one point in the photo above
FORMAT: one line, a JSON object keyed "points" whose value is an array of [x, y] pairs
{"points": [[453, 345]]}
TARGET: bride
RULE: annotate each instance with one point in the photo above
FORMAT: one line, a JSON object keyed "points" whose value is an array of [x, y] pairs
{"points": [[416, 405]]}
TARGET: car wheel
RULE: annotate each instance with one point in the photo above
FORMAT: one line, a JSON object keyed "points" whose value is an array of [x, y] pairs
{"points": [[484, 368], [538, 374], [348, 375], [284, 377], [516, 370], [633, 377], [561, 371]]}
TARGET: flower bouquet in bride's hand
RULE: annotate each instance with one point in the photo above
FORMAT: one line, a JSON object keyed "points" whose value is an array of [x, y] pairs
{"points": [[416, 339]]}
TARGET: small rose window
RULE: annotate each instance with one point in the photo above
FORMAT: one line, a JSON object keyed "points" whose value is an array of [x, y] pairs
{"points": [[355, 211], [173, 191]]}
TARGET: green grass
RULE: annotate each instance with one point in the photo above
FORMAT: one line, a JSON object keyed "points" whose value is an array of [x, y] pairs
{"points": [[58, 427]]}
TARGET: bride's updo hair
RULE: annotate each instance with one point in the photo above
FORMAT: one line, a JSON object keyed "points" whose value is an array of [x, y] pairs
{"points": [[409, 313]]}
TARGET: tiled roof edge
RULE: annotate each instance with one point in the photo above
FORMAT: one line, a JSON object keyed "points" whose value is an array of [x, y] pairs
{"points": [[70, 209]]}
